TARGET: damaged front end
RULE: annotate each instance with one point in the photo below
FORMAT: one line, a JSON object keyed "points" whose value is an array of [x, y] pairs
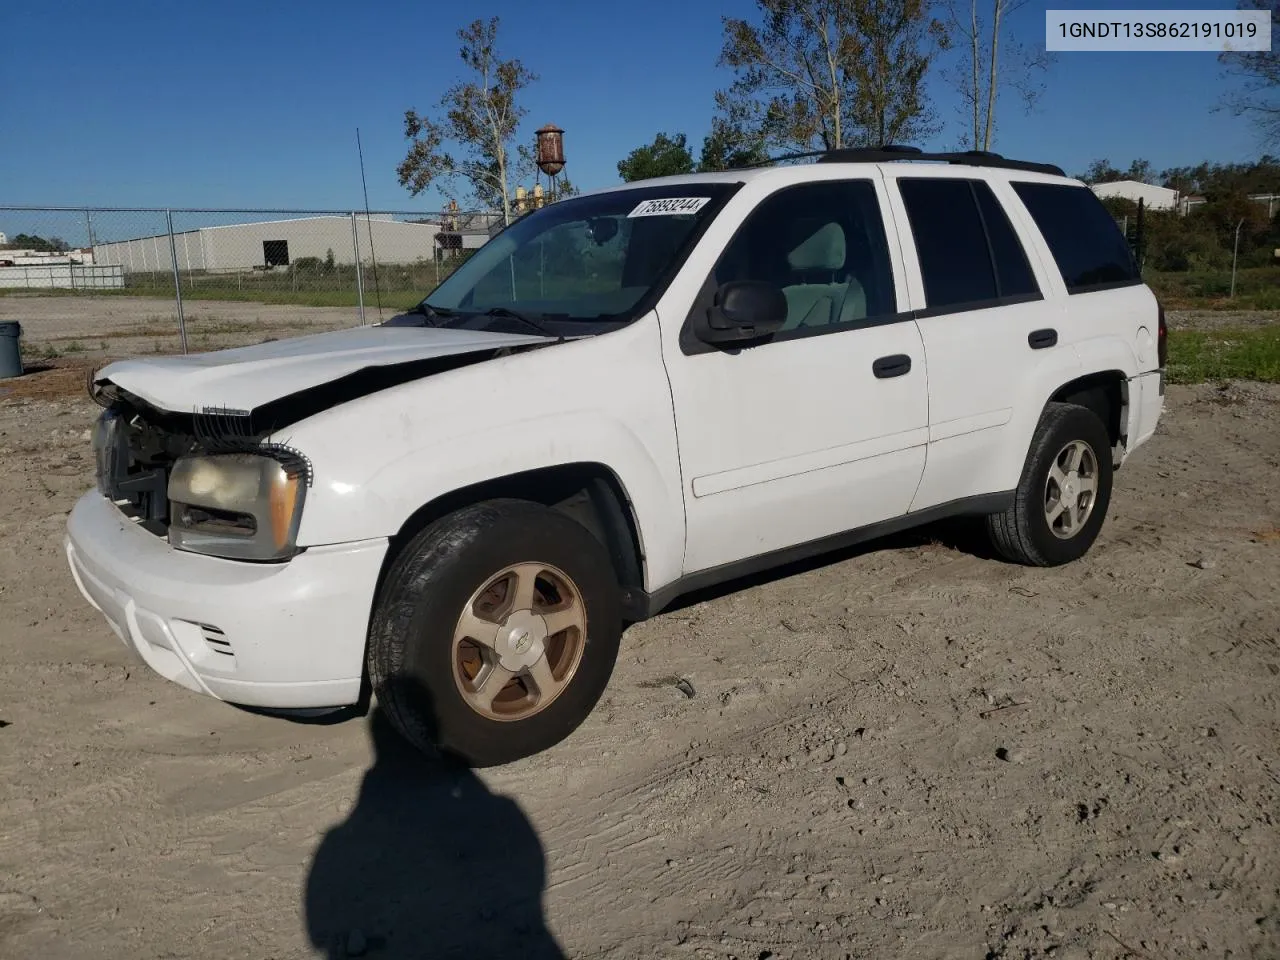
{"points": [[215, 481], [206, 481], [133, 455]]}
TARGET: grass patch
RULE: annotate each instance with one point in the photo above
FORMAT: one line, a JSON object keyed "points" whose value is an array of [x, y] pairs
{"points": [[34, 352], [1199, 355], [1257, 288]]}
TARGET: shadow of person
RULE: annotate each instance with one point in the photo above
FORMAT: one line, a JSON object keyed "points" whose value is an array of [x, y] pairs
{"points": [[429, 864]]}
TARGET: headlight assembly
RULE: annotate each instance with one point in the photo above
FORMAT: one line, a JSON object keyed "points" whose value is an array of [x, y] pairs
{"points": [[236, 505]]}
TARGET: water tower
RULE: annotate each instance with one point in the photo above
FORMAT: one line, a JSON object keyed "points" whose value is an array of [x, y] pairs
{"points": [[549, 151]]}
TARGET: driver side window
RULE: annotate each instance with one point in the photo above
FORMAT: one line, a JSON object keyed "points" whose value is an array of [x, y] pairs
{"points": [[824, 246]]}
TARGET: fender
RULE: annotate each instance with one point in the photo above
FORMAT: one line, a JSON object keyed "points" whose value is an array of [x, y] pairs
{"points": [[601, 400], [1107, 352], [1095, 355], [380, 507]]}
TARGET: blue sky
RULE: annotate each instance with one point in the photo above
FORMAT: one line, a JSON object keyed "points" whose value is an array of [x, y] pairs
{"points": [[256, 104]]}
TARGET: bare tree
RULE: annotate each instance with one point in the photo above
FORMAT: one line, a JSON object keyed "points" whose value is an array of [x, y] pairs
{"points": [[473, 138], [832, 73], [990, 61], [1258, 96]]}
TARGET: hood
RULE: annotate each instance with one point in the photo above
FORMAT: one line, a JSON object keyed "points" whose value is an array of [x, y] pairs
{"points": [[245, 378]]}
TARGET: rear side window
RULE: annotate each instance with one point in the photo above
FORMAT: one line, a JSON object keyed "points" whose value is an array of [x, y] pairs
{"points": [[1088, 247], [950, 242], [1013, 272]]}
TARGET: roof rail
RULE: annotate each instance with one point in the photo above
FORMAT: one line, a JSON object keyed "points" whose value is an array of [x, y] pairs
{"points": [[893, 152]]}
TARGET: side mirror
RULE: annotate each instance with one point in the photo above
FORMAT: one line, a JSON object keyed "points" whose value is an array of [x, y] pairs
{"points": [[744, 310]]}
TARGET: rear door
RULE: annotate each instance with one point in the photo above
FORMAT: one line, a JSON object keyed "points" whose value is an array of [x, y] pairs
{"points": [[991, 328]]}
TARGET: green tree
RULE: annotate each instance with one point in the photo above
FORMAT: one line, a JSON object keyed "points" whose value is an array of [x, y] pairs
{"points": [[731, 142], [666, 156], [1101, 171], [1258, 95], [1141, 171], [833, 73], [30, 241], [1217, 179], [1120, 207], [1186, 180], [565, 188], [473, 137], [1177, 243]]}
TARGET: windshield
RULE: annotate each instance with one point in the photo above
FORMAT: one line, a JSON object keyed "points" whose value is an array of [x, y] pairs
{"points": [[585, 258]]}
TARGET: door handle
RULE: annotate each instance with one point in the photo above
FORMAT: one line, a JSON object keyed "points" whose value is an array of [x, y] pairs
{"points": [[894, 366], [1039, 339]]}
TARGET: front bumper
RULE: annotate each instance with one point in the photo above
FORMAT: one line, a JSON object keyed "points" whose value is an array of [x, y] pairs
{"points": [[282, 635]]}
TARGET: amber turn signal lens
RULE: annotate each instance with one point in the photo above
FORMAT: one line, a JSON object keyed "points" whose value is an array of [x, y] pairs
{"points": [[283, 501]]}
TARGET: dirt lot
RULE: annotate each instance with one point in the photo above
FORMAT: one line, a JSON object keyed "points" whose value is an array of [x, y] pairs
{"points": [[87, 327], [911, 750], [128, 326]]}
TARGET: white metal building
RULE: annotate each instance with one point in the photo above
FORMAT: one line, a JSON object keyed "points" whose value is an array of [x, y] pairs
{"points": [[1156, 198], [276, 243], [38, 258], [64, 275]]}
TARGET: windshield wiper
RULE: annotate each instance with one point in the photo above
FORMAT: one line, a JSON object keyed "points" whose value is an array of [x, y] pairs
{"points": [[507, 313], [430, 316], [432, 313]]}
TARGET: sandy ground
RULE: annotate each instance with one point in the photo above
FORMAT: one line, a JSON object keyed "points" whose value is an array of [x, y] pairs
{"points": [[128, 326], [910, 750]]}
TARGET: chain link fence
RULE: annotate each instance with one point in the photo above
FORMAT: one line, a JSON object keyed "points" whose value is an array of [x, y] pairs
{"points": [[173, 259]]}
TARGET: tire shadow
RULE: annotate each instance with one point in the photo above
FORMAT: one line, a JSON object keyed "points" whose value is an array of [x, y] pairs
{"points": [[429, 864]]}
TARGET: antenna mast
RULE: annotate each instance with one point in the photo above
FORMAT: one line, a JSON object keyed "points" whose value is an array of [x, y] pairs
{"points": [[368, 224]]}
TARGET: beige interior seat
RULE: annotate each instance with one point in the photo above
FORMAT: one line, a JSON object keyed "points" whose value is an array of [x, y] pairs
{"points": [[820, 291]]}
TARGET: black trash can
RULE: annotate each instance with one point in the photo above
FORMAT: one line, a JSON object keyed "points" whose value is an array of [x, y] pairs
{"points": [[10, 349]]}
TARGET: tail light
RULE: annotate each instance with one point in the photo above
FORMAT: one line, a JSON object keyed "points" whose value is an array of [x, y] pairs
{"points": [[1162, 338]]}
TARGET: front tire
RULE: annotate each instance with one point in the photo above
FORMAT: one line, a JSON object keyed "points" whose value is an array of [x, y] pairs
{"points": [[1063, 495], [495, 632]]}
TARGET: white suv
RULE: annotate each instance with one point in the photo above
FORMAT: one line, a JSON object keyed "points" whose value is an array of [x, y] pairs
{"points": [[621, 397]]}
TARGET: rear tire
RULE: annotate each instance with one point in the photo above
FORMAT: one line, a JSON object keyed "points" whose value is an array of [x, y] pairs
{"points": [[495, 632], [1062, 498]]}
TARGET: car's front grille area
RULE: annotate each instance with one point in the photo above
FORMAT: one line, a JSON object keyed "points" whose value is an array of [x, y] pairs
{"points": [[133, 470]]}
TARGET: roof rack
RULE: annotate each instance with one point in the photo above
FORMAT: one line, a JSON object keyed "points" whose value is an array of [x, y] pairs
{"points": [[892, 151]]}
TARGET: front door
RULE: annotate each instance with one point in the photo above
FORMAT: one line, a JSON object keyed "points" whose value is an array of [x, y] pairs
{"points": [[821, 428]]}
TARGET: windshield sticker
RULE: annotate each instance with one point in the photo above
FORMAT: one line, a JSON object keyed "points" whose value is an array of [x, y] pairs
{"points": [[669, 207]]}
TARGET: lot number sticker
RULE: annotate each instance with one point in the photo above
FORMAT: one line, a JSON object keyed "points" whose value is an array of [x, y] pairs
{"points": [[669, 207]]}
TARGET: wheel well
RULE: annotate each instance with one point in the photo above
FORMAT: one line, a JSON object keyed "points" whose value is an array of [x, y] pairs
{"points": [[588, 492], [1106, 394]]}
